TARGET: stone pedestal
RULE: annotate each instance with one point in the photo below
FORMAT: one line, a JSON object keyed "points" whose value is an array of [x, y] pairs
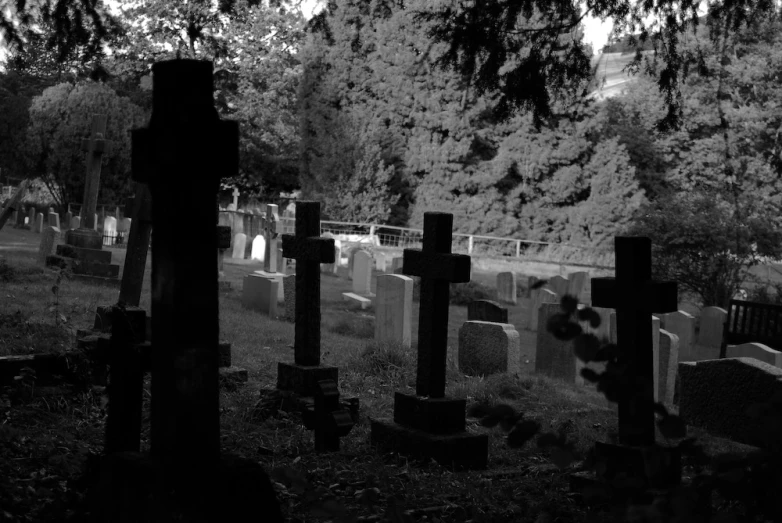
{"points": [[129, 488], [656, 468], [83, 253], [303, 379], [431, 428]]}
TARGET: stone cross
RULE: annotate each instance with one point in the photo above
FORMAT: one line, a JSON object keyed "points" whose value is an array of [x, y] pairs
{"points": [[437, 268], [13, 203], [331, 420], [309, 250], [272, 228], [185, 146], [236, 194], [95, 147], [635, 297], [139, 209]]}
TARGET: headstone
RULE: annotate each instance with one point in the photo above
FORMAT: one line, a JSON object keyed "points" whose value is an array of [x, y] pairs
{"points": [[331, 268], [75, 222], [53, 220], [362, 273], [683, 325], [668, 356], [577, 285], [486, 310], [231, 207], [351, 258], [19, 217], [380, 261], [109, 230], [185, 419], [541, 297], [489, 348], [712, 323], [396, 265], [123, 226], [757, 351], [531, 281], [428, 424], [236, 195], [67, 222], [239, 246], [94, 147], [309, 250], [49, 239], [272, 228], [506, 287], [261, 294], [394, 308], [717, 395], [554, 357], [635, 297], [258, 248], [31, 217], [289, 290], [39, 222], [559, 285]]}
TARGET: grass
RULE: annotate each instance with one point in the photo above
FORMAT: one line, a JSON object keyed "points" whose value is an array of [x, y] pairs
{"points": [[48, 434]]}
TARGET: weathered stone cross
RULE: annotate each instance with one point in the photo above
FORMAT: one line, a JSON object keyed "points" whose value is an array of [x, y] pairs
{"points": [[139, 209], [635, 297], [272, 228], [95, 147], [236, 194], [437, 268], [181, 156], [309, 250]]}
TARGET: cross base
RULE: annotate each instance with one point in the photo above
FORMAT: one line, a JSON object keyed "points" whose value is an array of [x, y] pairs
{"points": [[273, 400], [126, 487], [432, 415], [303, 379], [649, 469], [83, 237], [458, 451]]}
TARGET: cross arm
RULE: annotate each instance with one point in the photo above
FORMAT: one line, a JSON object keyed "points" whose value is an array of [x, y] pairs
{"points": [[454, 268], [648, 296], [313, 249]]}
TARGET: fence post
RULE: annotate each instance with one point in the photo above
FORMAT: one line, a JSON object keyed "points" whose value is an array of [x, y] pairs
{"points": [[469, 244], [518, 248]]}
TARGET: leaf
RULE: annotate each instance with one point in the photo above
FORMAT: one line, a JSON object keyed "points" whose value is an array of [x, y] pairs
{"points": [[586, 347], [569, 304], [590, 315], [562, 328], [55, 288], [590, 375]]}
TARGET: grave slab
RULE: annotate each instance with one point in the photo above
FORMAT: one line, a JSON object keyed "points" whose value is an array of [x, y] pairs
{"points": [[506, 287], [486, 310], [393, 309], [261, 294], [757, 351]]}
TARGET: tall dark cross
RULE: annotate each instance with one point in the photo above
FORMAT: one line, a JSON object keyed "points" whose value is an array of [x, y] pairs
{"points": [[309, 250], [437, 268], [181, 156], [635, 297], [139, 209], [94, 146]]}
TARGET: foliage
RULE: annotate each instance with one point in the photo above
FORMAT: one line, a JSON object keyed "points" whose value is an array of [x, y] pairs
{"points": [[253, 46], [747, 480], [367, 80], [521, 49], [702, 243], [59, 118]]}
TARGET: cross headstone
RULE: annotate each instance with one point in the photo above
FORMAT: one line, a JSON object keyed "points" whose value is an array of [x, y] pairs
{"points": [[634, 296], [94, 147], [272, 228], [332, 421], [236, 194], [309, 250], [185, 145], [140, 211], [428, 424]]}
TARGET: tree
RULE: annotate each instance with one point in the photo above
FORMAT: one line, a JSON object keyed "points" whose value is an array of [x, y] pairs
{"points": [[59, 118], [253, 45], [704, 245]]}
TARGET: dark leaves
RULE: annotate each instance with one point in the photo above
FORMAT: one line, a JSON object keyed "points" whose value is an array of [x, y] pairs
{"points": [[589, 315], [586, 347], [522, 432], [562, 328]]}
